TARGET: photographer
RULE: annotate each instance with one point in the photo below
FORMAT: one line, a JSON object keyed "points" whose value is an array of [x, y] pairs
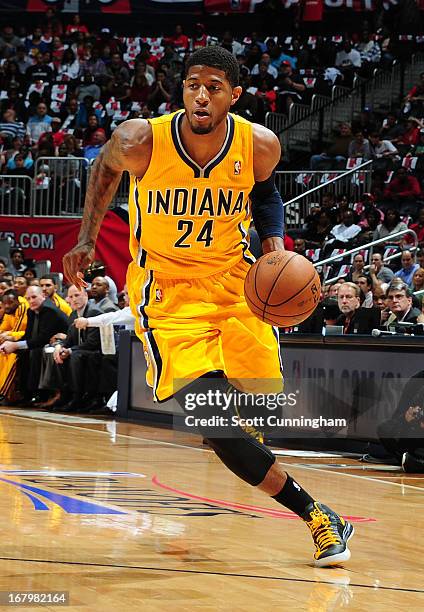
{"points": [[403, 435]]}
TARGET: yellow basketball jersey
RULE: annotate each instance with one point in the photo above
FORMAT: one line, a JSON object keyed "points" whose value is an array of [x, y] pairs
{"points": [[187, 221]]}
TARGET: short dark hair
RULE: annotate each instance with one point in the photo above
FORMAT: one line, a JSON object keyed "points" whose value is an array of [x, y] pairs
{"points": [[48, 277], [216, 57], [398, 285], [11, 292]]}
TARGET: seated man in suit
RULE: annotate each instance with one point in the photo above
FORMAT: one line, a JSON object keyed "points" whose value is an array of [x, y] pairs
{"points": [[355, 320], [79, 357], [399, 300], [44, 321]]}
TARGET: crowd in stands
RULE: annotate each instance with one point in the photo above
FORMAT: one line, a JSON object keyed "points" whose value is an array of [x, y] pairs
{"points": [[65, 87], [52, 351], [366, 281]]}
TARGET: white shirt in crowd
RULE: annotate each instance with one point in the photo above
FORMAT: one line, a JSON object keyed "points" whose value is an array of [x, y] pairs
{"points": [[345, 233], [344, 59], [385, 147]]}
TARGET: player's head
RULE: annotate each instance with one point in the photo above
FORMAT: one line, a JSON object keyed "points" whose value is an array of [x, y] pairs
{"points": [[210, 88]]}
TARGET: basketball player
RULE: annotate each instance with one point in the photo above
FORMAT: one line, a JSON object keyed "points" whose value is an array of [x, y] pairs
{"points": [[193, 176]]}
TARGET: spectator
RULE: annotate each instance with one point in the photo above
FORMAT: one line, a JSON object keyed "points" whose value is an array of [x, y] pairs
{"points": [[392, 130], [415, 98], [348, 61], [290, 86], [160, 92], [30, 274], [93, 126], [40, 71], [418, 150], [9, 42], [100, 295], [346, 231], [299, 246], [69, 66], [17, 264], [364, 283], [86, 109], [399, 299], [142, 69], [44, 320], [409, 267], [140, 89], [9, 127], [12, 327], [357, 269], [19, 168], [391, 225], [355, 320], [369, 50], [383, 151], [418, 280], [265, 62], [22, 60], [92, 151], [57, 134], [337, 151], [34, 44], [319, 229], [88, 88], [76, 26], [411, 135], [49, 288], [200, 38], [420, 257], [378, 271], [39, 123], [404, 189], [179, 40], [418, 227], [232, 45], [359, 147], [379, 297]]}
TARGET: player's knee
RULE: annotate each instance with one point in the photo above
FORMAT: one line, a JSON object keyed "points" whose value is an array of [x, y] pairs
{"points": [[244, 456]]}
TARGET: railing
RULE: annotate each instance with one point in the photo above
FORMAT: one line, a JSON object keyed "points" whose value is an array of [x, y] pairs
{"points": [[373, 243], [15, 195], [59, 186], [306, 124]]}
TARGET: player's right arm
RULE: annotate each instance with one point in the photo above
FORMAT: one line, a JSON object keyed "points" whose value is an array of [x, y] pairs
{"points": [[128, 149]]}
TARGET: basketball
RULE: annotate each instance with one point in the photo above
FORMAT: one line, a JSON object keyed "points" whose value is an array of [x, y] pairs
{"points": [[282, 288]]}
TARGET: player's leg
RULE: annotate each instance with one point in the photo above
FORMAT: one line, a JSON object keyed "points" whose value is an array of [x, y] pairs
{"points": [[252, 357], [254, 463]]}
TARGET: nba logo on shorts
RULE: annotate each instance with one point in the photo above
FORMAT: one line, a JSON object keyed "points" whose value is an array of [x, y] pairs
{"points": [[158, 295], [237, 167]]}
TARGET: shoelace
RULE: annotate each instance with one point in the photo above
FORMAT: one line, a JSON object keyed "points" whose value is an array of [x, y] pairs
{"points": [[322, 530]]}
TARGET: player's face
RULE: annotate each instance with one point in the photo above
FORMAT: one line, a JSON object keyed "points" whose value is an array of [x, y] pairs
{"points": [[208, 97], [48, 287]]}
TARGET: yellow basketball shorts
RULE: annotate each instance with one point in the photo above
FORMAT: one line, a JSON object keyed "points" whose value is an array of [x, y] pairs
{"points": [[190, 327]]}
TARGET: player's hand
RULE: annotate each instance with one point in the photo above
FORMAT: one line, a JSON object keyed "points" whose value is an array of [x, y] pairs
{"points": [[8, 347], [76, 261], [272, 244], [81, 323]]}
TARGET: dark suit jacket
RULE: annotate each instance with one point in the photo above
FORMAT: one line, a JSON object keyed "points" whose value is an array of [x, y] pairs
{"points": [[51, 321], [363, 321], [83, 339]]}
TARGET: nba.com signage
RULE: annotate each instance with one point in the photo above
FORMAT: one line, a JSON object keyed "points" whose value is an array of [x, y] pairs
{"points": [[44, 238]]}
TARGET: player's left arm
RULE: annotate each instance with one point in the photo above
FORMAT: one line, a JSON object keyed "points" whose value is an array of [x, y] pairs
{"points": [[267, 205]]}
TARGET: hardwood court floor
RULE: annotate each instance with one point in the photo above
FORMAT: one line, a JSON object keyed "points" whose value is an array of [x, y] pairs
{"points": [[126, 517]]}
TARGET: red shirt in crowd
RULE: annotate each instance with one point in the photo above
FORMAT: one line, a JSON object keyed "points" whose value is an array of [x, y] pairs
{"points": [[409, 188]]}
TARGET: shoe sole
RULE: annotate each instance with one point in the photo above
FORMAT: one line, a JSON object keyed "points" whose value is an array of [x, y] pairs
{"points": [[336, 559]]}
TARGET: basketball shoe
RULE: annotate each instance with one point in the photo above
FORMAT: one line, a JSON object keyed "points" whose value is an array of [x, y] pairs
{"points": [[330, 533]]}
